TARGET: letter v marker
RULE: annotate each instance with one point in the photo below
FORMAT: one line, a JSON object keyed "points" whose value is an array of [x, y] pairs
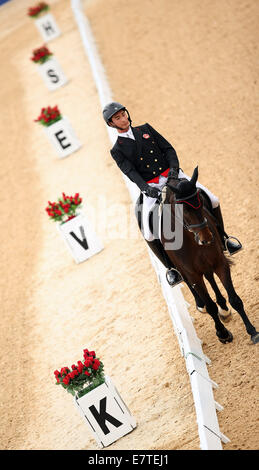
{"points": [[83, 242]]}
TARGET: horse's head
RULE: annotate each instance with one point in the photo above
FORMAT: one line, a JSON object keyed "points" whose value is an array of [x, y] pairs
{"points": [[186, 193]]}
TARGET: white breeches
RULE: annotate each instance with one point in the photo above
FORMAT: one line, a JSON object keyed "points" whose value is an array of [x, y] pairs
{"points": [[149, 203]]}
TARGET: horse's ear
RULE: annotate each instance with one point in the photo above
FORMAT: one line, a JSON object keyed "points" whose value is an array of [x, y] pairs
{"points": [[194, 176]]}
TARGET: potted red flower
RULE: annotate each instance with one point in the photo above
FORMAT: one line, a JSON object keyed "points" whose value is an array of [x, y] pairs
{"points": [[81, 378], [65, 209], [35, 11], [49, 116], [41, 55]]}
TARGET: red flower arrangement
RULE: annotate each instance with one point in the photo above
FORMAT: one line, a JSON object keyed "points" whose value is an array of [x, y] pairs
{"points": [[35, 11], [65, 207], [83, 377], [41, 55], [48, 116]]}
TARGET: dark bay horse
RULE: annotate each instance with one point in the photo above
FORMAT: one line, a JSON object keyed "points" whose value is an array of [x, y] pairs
{"points": [[201, 254]]}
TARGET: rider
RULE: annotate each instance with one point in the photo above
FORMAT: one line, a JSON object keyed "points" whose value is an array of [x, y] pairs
{"points": [[148, 159]]}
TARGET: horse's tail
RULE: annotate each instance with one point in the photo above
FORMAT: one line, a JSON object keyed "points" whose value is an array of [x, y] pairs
{"points": [[230, 261]]}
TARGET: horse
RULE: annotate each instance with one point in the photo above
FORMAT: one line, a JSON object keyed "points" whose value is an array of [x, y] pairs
{"points": [[201, 254]]}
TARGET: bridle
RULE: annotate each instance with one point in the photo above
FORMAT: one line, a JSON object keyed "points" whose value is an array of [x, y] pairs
{"points": [[194, 228]]}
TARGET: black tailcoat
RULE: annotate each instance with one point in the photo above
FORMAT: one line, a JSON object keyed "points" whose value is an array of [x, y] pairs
{"points": [[146, 157]]}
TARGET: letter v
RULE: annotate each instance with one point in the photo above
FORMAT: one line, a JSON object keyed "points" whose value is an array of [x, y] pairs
{"points": [[83, 242]]}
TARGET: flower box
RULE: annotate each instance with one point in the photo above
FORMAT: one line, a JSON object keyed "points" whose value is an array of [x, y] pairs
{"points": [[47, 27], [52, 74], [96, 399], [37, 10], [80, 238], [105, 413], [63, 138]]}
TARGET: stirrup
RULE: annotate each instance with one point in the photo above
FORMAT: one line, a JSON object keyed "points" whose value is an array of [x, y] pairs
{"points": [[177, 277], [235, 248]]}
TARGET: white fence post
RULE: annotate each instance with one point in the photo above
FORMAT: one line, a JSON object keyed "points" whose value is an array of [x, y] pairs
{"points": [[205, 405]]}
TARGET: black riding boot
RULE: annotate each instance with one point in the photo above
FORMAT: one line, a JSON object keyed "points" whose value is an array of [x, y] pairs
{"points": [[173, 276], [228, 244]]}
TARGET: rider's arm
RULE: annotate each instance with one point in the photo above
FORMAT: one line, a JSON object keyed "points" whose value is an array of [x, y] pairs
{"points": [[129, 169], [166, 147]]}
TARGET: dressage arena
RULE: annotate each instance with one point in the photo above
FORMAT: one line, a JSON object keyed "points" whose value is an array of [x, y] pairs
{"points": [[190, 69]]}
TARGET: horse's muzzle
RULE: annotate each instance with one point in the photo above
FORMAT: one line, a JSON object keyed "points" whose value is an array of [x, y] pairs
{"points": [[202, 234], [203, 242]]}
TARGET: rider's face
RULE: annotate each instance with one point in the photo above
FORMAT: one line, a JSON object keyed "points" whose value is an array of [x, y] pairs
{"points": [[120, 119]]}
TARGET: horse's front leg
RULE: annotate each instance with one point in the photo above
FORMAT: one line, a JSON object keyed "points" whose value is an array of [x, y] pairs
{"points": [[198, 301], [224, 311], [223, 273], [224, 335]]}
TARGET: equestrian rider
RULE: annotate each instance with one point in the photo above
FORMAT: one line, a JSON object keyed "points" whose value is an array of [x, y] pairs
{"points": [[148, 159]]}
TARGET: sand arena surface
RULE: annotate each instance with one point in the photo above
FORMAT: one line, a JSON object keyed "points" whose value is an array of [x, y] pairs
{"points": [[190, 69]]}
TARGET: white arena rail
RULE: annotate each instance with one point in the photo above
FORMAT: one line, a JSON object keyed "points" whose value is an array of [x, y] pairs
{"points": [[190, 345]]}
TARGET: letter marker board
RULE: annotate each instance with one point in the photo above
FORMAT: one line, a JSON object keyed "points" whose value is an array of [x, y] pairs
{"points": [[62, 137], [52, 74], [80, 238], [106, 414], [47, 26]]}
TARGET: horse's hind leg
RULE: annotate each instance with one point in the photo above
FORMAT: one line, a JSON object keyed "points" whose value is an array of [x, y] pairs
{"points": [[223, 334], [223, 273], [224, 311]]}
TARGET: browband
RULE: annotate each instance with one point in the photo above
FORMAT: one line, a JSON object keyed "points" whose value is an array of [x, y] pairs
{"points": [[178, 201]]}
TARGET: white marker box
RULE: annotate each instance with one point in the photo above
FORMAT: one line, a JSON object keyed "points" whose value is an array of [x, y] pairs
{"points": [[106, 414], [52, 74], [80, 238], [47, 27], [63, 138]]}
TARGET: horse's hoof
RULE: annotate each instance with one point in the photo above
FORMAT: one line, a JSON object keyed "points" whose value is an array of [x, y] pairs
{"points": [[226, 340], [201, 309], [225, 315], [255, 338]]}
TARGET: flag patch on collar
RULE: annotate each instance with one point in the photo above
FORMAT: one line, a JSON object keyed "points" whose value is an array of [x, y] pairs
{"points": [[146, 136]]}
